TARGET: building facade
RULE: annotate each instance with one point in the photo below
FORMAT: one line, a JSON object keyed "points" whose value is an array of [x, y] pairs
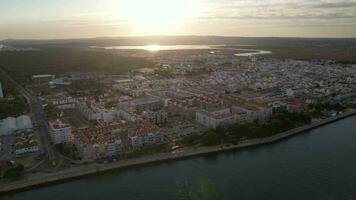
{"points": [[215, 119], [60, 132]]}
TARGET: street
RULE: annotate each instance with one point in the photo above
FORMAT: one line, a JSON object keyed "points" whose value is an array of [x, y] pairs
{"points": [[38, 118]]}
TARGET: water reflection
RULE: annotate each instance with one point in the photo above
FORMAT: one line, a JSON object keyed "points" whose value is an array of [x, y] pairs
{"points": [[156, 48]]}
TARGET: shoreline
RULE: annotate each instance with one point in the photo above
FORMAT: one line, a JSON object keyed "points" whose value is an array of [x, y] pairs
{"points": [[40, 180]]}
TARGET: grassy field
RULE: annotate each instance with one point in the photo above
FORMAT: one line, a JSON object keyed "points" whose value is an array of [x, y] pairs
{"points": [[59, 60]]}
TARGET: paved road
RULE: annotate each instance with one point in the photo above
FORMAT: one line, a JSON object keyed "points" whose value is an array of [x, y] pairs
{"points": [[38, 117]]}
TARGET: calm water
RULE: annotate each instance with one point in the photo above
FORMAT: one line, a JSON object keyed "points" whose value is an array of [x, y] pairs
{"points": [[155, 48], [318, 165], [160, 47]]}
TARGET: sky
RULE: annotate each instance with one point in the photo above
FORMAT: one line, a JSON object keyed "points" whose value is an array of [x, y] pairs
{"points": [[57, 19]]}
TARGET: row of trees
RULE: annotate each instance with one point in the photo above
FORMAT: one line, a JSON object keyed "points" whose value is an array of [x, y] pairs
{"points": [[11, 171], [13, 107], [68, 150], [14, 104], [52, 111], [318, 109], [236, 132]]}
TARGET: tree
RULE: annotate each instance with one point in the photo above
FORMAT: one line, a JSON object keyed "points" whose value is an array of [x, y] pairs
{"points": [[52, 111], [210, 138], [14, 171]]}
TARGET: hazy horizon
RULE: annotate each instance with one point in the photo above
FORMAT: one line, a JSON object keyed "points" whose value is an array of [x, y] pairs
{"points": [[157, 36], [64, 19]]}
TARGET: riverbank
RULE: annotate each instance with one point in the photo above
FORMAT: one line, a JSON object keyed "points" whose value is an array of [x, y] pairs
{"points": [[73, 173]]}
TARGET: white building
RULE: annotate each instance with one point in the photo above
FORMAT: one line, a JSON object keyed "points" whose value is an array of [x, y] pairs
{"points": [[92, 111], [106, 115], [147, 103], [1, 92], [42, 78], [248, 114], [127, 115], [60, 132], [65, 103], [157, 117], [9, 125], [140, 140], [146, 133], [23, 122], [216, 118], [59, 82], [84, 109]]}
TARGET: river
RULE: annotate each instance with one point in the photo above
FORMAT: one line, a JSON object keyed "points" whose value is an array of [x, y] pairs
{"points": [[320, 164], [156, 48]]}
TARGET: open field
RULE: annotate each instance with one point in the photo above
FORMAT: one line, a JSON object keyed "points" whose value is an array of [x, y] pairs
{"points": [[58, 60]]}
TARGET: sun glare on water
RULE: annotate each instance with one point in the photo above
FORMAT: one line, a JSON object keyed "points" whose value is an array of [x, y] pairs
{"points": [[155, 16], [153, 48]]}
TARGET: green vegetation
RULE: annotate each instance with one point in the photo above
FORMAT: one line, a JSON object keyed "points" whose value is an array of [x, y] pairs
{"points": [[60, 60], [56, 165], [320, 109], [235, 133], [3, 167], [191, 140], [210, 138], [14, 104], [68, 150], [110, 104], [196, 72], [88, 85], [14, 171], [164, 73], [52, 111], [13, 107], [147, 150]]}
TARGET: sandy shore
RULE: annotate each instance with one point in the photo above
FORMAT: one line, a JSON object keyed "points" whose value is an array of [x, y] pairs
{"points": [[36, 180]]}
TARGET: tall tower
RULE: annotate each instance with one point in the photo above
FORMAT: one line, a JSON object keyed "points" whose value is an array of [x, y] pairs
{"points": [[1, 93]]}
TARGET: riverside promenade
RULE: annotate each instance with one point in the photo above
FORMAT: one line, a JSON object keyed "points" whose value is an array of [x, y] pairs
{"points": [[36, 180]]}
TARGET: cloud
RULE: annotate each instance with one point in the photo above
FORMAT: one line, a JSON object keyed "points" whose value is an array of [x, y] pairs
{"points": [[282, 10], [334, 5], [88, 18]]}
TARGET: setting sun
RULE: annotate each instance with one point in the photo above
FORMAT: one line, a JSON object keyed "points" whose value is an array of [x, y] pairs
{"points": [[155, 16]]}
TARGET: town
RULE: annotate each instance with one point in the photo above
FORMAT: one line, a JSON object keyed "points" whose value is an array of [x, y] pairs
{"points": [[177, 99], [185, 100]]}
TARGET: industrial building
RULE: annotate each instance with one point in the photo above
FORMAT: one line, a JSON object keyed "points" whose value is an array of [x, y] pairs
{"points": [[42, 78]]}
